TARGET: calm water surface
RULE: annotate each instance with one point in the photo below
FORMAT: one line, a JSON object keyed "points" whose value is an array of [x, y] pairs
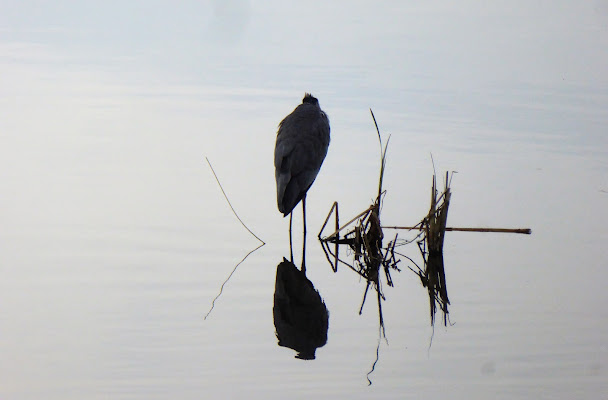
{"points": [[116, 238]]}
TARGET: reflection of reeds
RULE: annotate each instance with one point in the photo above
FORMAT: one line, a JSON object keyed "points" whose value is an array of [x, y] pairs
{"points": [[365, 240], [431, 247], [364, 236]]}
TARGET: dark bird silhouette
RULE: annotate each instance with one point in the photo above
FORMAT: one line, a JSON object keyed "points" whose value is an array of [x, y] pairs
{"points": [[301, 147], [300, 315]]}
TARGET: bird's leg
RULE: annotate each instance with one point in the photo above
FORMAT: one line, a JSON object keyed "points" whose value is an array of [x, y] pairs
{"points": [[304, 235], [290, 242]]}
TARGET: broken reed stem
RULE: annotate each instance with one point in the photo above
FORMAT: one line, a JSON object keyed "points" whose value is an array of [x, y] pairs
{"points": [[338, 230], [525, 231], [230, 204]]}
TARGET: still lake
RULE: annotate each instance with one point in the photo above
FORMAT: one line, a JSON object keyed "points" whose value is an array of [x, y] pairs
{"points": [[116, 238]]}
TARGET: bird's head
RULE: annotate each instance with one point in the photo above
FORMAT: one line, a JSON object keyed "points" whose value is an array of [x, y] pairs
{"points": [[310, 99]]}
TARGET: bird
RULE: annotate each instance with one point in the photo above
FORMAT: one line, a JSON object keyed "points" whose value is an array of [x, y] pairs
{"points": [[301, 146]]}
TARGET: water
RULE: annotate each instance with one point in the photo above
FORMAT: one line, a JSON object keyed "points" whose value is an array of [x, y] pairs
{"points": [[116, 238]]}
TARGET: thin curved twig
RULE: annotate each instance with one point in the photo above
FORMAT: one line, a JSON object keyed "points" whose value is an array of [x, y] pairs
{"points": [[232, 208], [227, 279], [245, 226]]}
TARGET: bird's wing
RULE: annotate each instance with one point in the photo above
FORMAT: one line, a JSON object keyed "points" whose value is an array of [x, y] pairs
{"points": [[299, 153]]}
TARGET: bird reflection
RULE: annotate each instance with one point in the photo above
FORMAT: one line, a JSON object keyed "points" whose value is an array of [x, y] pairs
{"points": [[301, 318]]}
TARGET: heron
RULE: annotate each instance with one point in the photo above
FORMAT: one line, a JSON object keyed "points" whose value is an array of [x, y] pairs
{"points": [[301, 147]]}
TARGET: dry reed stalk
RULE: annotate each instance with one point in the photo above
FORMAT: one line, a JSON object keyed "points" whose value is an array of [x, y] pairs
{"points": [[525, 231], [431, 247], [365, 239]]}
